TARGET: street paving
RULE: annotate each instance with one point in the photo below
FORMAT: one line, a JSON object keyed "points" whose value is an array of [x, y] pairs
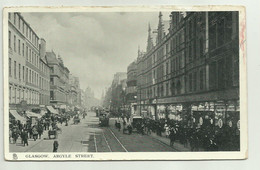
{"points": [[87, 136]]}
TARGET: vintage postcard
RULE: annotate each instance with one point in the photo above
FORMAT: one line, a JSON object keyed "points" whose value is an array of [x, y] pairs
{"points": [[125, 83]]}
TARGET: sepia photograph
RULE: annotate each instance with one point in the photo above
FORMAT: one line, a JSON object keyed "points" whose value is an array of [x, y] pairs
{"points": [[125, 83]]}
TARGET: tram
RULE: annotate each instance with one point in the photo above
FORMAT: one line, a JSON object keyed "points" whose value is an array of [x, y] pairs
{"points": [[104, 119]]}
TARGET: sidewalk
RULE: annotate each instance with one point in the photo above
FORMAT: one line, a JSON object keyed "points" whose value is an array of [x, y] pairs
{"points": [[18, 147], [178, 146]]}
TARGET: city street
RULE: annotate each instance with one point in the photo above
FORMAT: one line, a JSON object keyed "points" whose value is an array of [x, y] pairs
{"points": [[87, 136]]}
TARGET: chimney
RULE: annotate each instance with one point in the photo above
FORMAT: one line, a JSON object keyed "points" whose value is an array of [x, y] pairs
{"points": [[42, 48]]}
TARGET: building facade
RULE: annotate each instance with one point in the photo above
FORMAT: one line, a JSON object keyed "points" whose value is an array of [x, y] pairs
{"points": [[27, 69], [191, 73], [131, 90], [59, 80]]}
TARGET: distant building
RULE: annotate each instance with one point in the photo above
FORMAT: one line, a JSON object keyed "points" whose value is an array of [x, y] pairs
{"points": [[118, 88], [131, 90], [59, 80]]}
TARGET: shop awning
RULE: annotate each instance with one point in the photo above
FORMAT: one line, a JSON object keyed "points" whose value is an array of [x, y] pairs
{"points": [[17, 116], [32, 114], [50, 108]]}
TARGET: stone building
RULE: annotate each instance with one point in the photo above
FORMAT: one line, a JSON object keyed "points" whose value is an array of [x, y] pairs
{"points": [[59, 80], [28, 71], [131, 90], [192, 70]]}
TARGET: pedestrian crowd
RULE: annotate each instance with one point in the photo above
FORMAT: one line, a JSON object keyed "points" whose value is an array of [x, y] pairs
{"points": [[203, 138]]}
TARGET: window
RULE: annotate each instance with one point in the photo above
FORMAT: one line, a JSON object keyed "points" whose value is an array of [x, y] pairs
{"points": [[14, 18], [228, 27], [10, 67], [221, 32], [167, 89], [23, 27], [52, 95], [167, 68], [212, 37], [9, 39], [201, 80], [190, 82], [173, 88], [15, 69], [23, 49], [19, 71], [10, 93], [178, 87], [26, 76], [27, 30], [221, 74], [19, 23], [30, 55], [23, 74], [26, 53], [14, 43], [212, 75], [19, 46], [201, 47], [30, 76], [194, 81]]}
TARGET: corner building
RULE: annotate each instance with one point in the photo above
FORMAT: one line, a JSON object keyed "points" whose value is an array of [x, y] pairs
{"points": [[191, 73]]}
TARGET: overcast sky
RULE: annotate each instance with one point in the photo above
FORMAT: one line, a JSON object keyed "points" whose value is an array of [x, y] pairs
{"points": [[94, 46]]}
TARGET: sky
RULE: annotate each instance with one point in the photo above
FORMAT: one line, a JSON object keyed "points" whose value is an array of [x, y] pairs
{"points": [[94, 46]]}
